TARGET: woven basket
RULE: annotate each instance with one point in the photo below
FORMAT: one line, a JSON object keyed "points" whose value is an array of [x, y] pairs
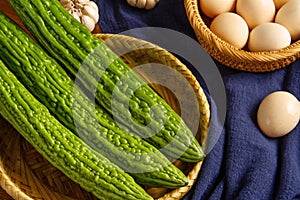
{"points": [[231, 56], [25, 174]]}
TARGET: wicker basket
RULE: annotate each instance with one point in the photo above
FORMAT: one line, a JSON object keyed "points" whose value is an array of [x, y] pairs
{"points": [[25, 174], [231, 56]]}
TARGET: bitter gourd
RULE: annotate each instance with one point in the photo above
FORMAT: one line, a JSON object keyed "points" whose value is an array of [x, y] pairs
{"points": [[71, 44], [49, 83], [60, 146]]}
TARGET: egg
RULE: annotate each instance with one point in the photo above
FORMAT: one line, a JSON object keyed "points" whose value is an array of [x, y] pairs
{"points": [[278, 114], [268, 36], [289, 16], [279, 3], [256, 12], [231, 28], [212, 8]]}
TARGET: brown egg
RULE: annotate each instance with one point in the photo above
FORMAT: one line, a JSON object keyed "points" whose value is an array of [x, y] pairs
{"points": [[289, 16], [212, 8], [256, 12], [231, 28], [269, 36], [278, 114]]}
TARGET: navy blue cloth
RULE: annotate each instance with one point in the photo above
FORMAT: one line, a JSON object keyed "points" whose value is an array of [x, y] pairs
{"points": [[243, 164]]}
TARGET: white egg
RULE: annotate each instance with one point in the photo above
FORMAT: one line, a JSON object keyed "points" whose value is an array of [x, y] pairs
{"points": [[256, 12], [289, 16], [278, 114], [212, 8], [231, 28], [268, 37]]}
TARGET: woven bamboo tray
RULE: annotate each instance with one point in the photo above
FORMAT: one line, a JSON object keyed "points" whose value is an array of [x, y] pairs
{"points": [[233, 57], [25, 174]]}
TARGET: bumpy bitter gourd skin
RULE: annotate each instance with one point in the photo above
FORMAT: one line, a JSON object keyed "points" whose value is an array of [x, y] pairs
{"points": [[60, 146], [48, 82], [71, 43]]}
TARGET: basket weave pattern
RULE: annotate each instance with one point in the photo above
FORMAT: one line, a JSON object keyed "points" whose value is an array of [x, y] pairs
{"points": [[25, 174], [231, 56]]}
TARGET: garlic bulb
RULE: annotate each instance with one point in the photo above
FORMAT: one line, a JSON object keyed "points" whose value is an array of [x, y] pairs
{"points": [[147, 4], [85, 11]]}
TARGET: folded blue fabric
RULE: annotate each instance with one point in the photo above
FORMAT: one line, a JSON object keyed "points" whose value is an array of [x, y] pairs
{"points": [[243, 164]]}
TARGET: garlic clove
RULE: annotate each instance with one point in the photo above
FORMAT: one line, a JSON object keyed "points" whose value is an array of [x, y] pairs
{"points": [[141, 3], [83, 1], [76, 15], [88, 22], [93, 5], [84, 11], [150, 4], [132, 2], [91, 12], [146, 4]]}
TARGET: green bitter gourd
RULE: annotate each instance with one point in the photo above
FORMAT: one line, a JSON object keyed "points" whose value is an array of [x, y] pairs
{"points": [[48, 82], [71, 43], [60, 146]]}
